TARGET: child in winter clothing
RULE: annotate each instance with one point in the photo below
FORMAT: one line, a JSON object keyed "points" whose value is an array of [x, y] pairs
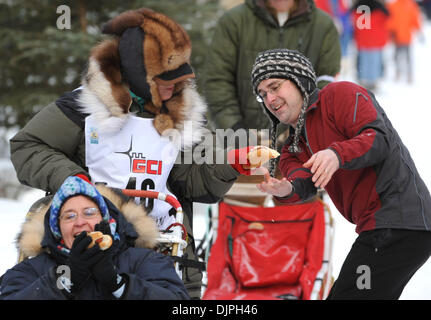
{"points": [[341, 140]]}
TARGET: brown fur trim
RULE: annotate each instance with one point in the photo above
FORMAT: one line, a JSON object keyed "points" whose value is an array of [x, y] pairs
{"points": [[175, 107], [149, 106], [163, 122], [166, 47], [166, 44], [127, 19], [155, 96], [105, 59]]}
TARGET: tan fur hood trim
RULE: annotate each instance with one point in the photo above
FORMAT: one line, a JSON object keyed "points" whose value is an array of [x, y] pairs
{"points": [[103, 78], [33, 230], [31, 235]]}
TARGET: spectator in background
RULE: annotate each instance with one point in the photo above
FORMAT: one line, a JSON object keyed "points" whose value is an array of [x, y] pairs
{"points": [[339, 11], [255, 26], [370, 19], [403, 22], [426, 5]]}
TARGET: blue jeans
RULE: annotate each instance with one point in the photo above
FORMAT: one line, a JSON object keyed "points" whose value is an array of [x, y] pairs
{"points": [[370, 65]]}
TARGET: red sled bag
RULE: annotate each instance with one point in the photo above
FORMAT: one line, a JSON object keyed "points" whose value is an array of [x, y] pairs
{"points": [[266, 253]]}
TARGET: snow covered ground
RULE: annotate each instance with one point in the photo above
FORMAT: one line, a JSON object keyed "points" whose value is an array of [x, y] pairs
{"points": [[409, 110]]}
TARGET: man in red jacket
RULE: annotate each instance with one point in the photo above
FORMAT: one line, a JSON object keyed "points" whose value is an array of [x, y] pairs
{"points": [[341, 140]]}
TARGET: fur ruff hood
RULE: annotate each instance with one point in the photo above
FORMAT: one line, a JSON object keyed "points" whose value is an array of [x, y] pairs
{"points": [[166, 48], [33, 229]]}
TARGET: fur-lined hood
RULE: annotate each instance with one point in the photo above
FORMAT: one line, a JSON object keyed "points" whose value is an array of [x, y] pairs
{"points": [[165, 49], [32, 234]]}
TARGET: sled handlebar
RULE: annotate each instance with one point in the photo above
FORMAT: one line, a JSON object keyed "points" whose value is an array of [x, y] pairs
{"points": [[153, 195]]}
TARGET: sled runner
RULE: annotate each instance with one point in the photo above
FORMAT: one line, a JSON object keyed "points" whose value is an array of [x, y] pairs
{"points": [[278, 252]]}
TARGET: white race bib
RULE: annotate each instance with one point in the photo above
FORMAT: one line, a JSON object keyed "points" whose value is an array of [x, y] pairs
{"points": [[136, 157]]}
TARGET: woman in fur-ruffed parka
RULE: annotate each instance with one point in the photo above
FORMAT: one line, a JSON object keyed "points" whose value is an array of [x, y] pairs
{"points": [[134, 123], [54, 269]]}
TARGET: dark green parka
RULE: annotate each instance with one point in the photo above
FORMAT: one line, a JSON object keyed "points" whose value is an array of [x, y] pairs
{"points": [[246, 30]]}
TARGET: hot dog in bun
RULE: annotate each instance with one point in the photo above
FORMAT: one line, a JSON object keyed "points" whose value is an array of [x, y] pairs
{"points": [[98, 237], [260, 155]]}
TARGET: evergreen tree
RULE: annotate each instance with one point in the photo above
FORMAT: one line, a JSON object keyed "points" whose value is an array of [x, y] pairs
{"points": [[39, 61]]}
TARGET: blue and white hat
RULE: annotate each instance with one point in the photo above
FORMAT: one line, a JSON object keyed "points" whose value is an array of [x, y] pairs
{"points": [[74, 186]]}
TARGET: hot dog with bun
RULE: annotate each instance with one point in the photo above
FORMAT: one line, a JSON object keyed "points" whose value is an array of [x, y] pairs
{"points": [[104, 241], [260, 155]]}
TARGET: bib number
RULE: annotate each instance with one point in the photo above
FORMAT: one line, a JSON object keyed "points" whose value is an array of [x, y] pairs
{"points": [[147, 184]]}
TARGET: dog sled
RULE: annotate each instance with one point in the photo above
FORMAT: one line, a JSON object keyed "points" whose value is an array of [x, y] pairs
{"points": [[264, 250]]}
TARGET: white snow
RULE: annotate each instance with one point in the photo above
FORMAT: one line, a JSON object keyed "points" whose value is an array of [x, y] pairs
{"points": [[12, 215], [409, 110]]}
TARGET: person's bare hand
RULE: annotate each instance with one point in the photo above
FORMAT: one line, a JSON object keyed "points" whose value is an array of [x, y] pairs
{"points": [[275, 187], [323, 165]]}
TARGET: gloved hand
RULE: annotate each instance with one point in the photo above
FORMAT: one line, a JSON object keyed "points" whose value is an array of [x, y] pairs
{"points": [[103, 227], [104, 271], [81, 260], [237, 158]]}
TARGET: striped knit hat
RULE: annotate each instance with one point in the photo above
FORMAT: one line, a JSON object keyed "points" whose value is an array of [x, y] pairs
{"points": [[291, 65]]}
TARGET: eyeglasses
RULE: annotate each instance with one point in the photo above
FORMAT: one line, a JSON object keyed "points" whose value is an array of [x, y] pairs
{"points": [[273, 89], [88, 213]]}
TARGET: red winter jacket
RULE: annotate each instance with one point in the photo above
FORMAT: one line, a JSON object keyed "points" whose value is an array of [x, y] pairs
{"points": [[376, 35], [377, 185]]}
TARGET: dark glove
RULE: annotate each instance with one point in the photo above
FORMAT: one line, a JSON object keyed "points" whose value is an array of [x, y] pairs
{"points": [[82, 260], [104, 271], [103, 227]]}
